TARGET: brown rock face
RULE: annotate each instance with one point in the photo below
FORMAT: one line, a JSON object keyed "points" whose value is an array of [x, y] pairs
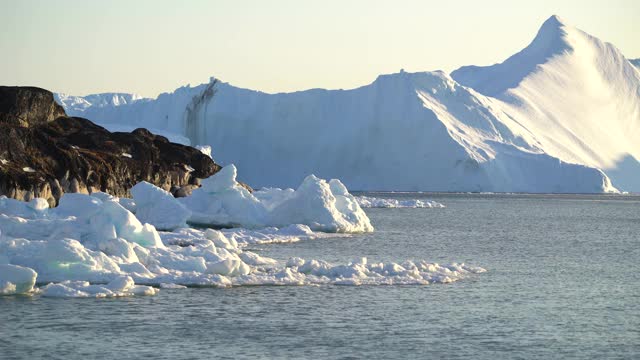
{"points": [[44, 153], [27, 106]]}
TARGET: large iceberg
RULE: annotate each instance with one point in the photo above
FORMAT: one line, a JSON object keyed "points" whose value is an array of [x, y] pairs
{"points": [[560, 116]]}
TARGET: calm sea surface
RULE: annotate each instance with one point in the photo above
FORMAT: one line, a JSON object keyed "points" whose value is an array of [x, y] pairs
{"points": [[562, 281]]}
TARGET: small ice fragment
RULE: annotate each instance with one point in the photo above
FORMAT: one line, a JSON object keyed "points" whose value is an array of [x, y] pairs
{"points": [[171, 286], [127, 155], [28, 169]]}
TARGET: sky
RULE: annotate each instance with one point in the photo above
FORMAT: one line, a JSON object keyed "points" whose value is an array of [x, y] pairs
{"points": [[153, 46]]}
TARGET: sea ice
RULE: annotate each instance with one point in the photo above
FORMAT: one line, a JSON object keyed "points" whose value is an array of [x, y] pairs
{"points": [[373, 202], [158, 207], [92, 246]]}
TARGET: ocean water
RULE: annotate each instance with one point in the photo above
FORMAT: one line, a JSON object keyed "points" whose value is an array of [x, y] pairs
{"points": [[562, 281]]}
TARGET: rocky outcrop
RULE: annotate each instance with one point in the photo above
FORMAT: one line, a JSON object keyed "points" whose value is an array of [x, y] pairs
{"points": [[27, 106], [44, 153]]}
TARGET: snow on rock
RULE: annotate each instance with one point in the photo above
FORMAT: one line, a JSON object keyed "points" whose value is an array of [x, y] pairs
{"points": [[158, 207], [205, 149], [373, 202], [322, 206]]}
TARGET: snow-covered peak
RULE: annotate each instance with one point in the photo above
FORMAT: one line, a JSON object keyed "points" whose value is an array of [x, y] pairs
{"points": [[578, 94], [554, 38]]}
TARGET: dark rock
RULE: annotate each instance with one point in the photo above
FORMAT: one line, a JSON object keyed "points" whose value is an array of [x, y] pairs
{"points": [[27, 106], [45, 157]]}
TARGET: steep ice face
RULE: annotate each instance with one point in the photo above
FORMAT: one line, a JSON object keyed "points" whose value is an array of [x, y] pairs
{"points": [[578, 95]]}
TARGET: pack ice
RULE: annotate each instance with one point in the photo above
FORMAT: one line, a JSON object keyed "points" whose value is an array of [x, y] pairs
{"points": [[562, 115], [95, 246]]}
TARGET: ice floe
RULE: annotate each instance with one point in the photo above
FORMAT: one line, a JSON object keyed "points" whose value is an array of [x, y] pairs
{"points": [[95, 246], [373, 202]]}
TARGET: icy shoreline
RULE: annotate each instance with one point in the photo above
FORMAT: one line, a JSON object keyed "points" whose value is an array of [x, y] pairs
{"points": [[102, 246]]}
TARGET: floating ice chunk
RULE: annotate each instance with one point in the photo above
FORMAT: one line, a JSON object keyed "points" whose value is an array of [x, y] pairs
{"points": [[372, 202], [323, 206], [107, 220], [158, 207], [4, 161], [60, 259], [119, 287], [28, 169], [171, 286], [16, 279], [62, 290], [127, 155], [221, 201], [254, 259]]}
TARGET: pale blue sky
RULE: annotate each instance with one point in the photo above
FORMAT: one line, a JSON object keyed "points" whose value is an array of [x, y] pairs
{"points": [[153, 46]]}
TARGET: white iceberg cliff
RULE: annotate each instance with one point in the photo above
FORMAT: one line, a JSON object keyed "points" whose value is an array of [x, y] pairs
{"points": [[561, 116]]}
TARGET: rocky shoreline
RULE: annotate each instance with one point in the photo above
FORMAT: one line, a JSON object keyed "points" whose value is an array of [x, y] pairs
{"points": [[44, 153]]}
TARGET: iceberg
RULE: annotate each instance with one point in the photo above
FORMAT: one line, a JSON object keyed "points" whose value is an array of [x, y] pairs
{"points": [[533, 123], [321, 205]]}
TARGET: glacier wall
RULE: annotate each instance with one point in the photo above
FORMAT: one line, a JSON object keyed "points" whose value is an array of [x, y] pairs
{"points": [[405, 131]]}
